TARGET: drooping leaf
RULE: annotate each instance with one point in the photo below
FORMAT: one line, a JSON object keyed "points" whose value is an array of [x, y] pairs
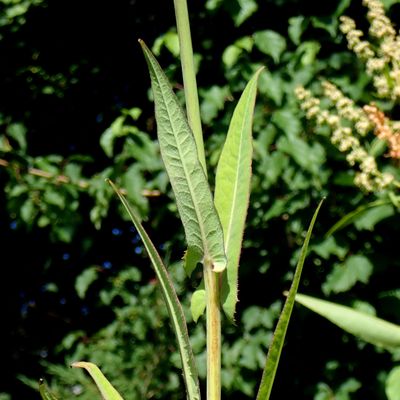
{"points": [[45, 392], [367, 327], [275, 348], [232, 189], [108, 392], [189, 183], [173, 305]]}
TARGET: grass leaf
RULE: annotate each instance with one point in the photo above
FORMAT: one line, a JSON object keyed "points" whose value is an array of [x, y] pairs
{"points": [[275, 349], [189, 183], [108, 392], [232, 189], [45, 392], [173, 305], [372, 329]]}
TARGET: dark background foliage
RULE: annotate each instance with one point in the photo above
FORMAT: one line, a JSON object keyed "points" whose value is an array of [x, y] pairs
{"points": [[74, 271]]}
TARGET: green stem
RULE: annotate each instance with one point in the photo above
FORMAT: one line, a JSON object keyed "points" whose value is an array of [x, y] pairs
{"points": [[211, 281], [189, 77]]}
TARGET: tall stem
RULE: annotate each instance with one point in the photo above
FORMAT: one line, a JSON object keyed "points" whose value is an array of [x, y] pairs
{"points": [[189, 77], [211, 281]]}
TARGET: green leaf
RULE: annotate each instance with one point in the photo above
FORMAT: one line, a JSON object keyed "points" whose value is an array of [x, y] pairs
{"points": [[354, 215], [84, 280], [18, 132], [297, 26], [232, 189], [356, 268], [174, 307], [45, 392], [108, 392], [367, 327], [247, 8], [198, 303], [275, 348], [392, 387], [270, 43], [189, 183]]}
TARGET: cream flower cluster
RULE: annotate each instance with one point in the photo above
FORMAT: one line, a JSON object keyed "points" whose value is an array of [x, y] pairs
{"points": [[349, 124], [382, 54]]}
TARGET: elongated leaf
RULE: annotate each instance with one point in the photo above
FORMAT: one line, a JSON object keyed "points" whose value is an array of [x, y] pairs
{"points": [[174, 307], [189, 183], [44, 391], [367, 327], [275, 348], [108, 392], [232, 189]]}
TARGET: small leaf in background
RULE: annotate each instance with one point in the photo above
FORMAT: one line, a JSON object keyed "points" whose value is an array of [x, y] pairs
{"points": [[232, 189], [329, 246], [84, 280], [108, 392], [213, 100], [18, 132], [198, 303], [45, 391], [368, 219], [296, 28], [367, 327], [247, 8], [270, 43], [272, 86], [288, 122], [232, 53], [170, 41], [392, 387], [192, 192], [356, 268]]}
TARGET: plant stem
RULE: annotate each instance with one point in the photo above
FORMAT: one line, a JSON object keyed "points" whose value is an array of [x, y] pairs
{"points": [[189, 77], [211, 281]]}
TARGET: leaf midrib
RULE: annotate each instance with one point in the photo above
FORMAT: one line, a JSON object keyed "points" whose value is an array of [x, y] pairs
{"points": [[231, 219], [197, 211]]}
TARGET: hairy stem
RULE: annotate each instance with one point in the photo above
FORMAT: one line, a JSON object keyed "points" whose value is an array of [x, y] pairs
{"points": [[211, 280], [189, 77]]}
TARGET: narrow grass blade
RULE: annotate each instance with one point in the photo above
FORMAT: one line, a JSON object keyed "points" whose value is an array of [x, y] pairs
{"points": [[367, 327], [189, 183], [45, 392], [275, 349], [173, 305], [232, 189], [108, 392], [353, 215]]}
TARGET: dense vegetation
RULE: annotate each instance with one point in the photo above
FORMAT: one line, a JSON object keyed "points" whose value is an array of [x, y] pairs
{"points": [[76, 281]]}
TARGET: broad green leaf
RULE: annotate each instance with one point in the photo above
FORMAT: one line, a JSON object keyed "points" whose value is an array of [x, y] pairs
{"points": [[275, 348], [353, 215], [270, 43], [173, 305], [392, 387], [356, 268], [367, 327], [189, 183], [232, 189], [108, 392], [44, 391]]}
